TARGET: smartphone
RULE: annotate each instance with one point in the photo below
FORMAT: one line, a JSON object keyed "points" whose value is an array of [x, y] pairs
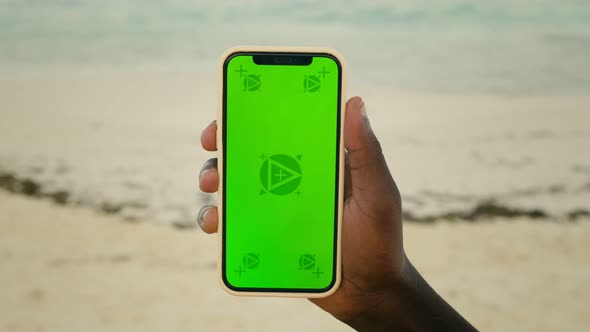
{"points": [[281, 164]]}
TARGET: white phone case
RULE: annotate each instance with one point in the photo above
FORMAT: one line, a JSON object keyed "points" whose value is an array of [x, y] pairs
{"points": [[221, 171]]}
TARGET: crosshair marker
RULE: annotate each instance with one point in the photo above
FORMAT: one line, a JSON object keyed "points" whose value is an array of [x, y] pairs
{"points": [[317, 272], [241, 70], [323, 72], [240, 271]]}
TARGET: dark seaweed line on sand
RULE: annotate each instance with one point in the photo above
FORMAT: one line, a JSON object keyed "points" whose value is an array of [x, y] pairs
{"points": [[483, 210], [486, 210], [29, 187]]}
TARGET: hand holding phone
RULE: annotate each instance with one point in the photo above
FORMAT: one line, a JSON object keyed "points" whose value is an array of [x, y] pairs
{"points": [[380, 289], [372, 253]]}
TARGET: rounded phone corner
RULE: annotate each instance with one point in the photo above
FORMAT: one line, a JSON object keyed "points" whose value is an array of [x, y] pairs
{"points": [[341, 62], [229, 53], [331, 289], [226, 286]]}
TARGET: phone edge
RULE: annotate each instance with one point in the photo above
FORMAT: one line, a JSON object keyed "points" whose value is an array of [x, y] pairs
{"points": [[343, 85]]}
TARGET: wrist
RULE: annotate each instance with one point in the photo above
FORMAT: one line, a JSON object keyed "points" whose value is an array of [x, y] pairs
{"points": [[386, 309], [410, 304]]}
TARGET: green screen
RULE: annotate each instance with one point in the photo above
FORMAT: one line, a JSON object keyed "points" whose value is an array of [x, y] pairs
{"points": [[281, 138]]}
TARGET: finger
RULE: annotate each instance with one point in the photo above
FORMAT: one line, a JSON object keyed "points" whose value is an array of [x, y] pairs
{"points": [[347, 177], [207, 219], [209, 137], [369, 173], [209, 177]]}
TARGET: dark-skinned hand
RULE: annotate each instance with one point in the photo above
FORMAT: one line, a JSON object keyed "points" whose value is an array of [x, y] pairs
{"points": [[380, 288]]}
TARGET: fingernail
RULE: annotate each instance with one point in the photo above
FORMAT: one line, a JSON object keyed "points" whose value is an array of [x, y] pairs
{"points": [[212, 123], [206, 168], [209, 165], [203, 171], [201, 217], [363, 109]]}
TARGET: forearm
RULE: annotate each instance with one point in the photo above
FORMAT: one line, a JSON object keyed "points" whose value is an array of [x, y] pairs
{"points": [[411, 305]]}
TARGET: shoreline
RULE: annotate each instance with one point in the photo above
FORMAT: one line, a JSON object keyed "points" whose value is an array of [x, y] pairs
{"points": [[482, 211], [127, 143]]}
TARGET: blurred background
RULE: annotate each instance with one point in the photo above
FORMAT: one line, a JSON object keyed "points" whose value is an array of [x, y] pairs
{"points": [[481, 109]]}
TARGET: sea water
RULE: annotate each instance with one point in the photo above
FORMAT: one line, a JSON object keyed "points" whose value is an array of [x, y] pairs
{"points": [[447, 46]]}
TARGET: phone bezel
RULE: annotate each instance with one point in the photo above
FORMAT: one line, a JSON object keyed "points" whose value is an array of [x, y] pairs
{"points": [[222, 142]]}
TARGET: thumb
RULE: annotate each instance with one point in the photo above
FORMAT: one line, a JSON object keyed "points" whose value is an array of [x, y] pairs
{"points": [[369, 174]]}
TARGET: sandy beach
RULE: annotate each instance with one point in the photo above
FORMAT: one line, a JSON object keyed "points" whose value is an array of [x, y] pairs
{"points": [[495, 192], [71, 269]]}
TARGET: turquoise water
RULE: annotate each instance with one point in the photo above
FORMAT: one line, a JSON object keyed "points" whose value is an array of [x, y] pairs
{"points": [[460, 46]]}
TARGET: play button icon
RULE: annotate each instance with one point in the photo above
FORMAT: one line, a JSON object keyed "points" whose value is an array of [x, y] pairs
{"points": [[252, 82], [280, 174]]}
